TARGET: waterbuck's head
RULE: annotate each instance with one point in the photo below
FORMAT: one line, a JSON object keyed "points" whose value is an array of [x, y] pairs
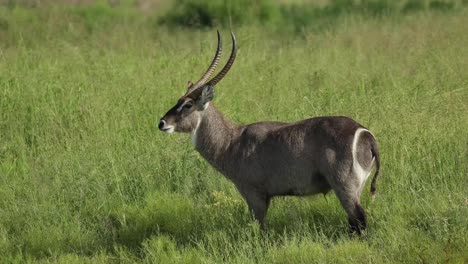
{"points": [[185, 115]]}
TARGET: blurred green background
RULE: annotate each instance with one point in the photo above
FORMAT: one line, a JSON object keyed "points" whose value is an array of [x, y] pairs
{"points": [[86, 177]]}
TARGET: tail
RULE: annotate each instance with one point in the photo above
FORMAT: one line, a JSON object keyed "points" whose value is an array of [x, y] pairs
{"points": [[375, 153]]}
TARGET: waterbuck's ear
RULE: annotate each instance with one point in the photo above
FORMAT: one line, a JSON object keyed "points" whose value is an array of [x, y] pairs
{"points": [[206, 96]]}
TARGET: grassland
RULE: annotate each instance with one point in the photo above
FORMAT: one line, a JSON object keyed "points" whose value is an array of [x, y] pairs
{"points": [[86, 177]]}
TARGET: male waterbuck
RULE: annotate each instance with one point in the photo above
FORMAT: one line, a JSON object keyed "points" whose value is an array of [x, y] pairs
{"points": [[268, 159]]}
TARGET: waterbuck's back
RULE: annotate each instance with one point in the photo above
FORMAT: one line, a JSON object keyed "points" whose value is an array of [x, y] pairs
{"points": [[292, 158]]}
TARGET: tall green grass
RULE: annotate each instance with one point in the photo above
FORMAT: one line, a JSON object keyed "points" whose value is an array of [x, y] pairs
{"points": [[86, 176]]}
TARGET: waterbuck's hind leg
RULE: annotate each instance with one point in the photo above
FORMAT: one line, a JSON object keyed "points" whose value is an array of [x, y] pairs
{"points": [[346, 185], [356, 215], [358, 220], [349, 182]]}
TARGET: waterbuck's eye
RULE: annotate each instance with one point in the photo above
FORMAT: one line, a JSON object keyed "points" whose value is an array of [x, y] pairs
{"points": [[187, 106]]}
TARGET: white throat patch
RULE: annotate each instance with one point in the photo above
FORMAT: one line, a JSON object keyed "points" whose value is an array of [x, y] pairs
{"points": [[194, 132]]}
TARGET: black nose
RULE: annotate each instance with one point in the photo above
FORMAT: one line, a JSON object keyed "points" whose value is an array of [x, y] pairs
{"points": [[162, 123]]}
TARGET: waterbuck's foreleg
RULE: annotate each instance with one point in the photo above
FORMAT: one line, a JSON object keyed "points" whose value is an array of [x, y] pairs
{"points": [[258, 205]]}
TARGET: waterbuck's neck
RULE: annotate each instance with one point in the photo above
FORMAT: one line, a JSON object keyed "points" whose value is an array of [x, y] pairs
{"points": [[213, 136]]}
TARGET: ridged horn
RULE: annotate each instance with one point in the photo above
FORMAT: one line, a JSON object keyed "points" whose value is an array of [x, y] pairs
{"points": [[210, 70], [228, 65]]}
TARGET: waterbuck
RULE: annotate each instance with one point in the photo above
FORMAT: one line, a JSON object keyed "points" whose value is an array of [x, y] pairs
{"points": [[268, 159]]}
